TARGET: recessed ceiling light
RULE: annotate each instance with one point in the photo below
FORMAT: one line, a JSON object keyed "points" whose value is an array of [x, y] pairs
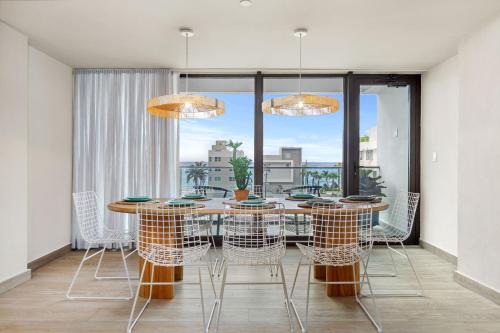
{"points": [[245, 3]]}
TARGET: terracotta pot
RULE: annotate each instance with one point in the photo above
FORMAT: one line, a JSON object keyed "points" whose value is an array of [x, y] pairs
{"points": [[240, 195]]}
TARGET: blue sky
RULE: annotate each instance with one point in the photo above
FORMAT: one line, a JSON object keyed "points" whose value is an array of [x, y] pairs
{"points": [[320, 137]]}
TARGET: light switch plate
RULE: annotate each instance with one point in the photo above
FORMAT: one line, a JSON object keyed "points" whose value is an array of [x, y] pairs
{"points": [[396, 132], [434, 156]]}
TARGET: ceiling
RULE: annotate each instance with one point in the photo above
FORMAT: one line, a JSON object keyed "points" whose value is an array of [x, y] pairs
{"points": [[360, 35]]}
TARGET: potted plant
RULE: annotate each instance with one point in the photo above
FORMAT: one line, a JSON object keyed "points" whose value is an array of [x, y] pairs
{"points": [[241, 170]]}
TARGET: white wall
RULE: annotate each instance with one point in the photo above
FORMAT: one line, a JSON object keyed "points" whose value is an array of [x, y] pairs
{"points": [[439, 133], [49, 154], [479, 156], [13, 152]]}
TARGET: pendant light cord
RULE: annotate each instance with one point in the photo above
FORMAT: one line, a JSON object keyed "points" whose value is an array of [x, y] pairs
{"points": [[300, 64], [187, 64]]}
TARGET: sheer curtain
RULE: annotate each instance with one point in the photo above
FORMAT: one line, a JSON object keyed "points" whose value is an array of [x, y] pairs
{"points": [[120, 150]]}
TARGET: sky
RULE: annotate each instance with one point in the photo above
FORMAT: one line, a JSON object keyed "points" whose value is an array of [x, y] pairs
{"points": [[320, 136]]}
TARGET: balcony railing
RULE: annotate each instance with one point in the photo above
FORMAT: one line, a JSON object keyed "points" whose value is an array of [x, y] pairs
{"points": [[277, 180]]}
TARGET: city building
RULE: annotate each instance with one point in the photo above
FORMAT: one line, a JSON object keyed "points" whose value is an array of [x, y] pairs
{"points": [[220, 173], [368, 149], [283, 170]]}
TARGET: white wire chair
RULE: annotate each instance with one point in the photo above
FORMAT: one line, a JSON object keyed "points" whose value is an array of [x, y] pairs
{"points": [[94, 232], [396, 230], [169, 236], [339, 238], [254, 235], [259, 190], [207, 222]]}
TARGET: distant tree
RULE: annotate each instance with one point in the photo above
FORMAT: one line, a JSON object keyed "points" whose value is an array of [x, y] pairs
{"points": [[198, 173], [364, 138]]}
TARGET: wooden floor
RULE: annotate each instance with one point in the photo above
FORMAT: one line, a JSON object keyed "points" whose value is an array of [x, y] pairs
{"points": [[40, 305]]}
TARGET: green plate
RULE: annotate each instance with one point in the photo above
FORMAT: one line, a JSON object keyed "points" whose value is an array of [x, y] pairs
{"points": [[361, 197], [255, 202], [253, 197], [320, 201], [302, 195], [180, 203], [193, 196], [137, 199]]}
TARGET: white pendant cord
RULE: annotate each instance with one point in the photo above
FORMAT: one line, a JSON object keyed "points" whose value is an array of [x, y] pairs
{"points": [[187, 64], [300, 65]]}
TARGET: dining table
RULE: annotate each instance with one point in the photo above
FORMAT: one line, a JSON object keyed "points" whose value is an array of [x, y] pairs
{"points": [[217, 206]]}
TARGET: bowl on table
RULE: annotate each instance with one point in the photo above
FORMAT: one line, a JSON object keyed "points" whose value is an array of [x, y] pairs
{"points": [[302, 196], [194, 196]]}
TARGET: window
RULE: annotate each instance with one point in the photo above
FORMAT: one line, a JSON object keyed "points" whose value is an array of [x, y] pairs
{"points": [[361, 153], [231, 179], [205, 140], [304, 150], [369, 155]]}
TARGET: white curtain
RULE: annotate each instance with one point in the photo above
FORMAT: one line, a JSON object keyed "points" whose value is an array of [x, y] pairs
{"points": [[119, 149]]}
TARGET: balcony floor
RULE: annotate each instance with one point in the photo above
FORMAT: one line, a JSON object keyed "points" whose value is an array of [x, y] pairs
{"points": [[40, 305]]}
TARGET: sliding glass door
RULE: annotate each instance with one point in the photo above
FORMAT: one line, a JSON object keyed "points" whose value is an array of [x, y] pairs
{"points": [[384, 136]]}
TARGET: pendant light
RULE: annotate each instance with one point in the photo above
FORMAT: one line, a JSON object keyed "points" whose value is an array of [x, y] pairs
{"points": [[300, 104], [185, 105]]}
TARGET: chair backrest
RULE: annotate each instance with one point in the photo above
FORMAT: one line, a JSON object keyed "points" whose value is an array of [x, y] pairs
{"points": [[165, 232], [254, 234], [259, 190], [403, 214], [87, 215], [211, 191], [340, 235]]}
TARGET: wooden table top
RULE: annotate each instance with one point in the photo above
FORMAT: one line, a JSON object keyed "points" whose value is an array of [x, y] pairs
{"points": [[218, 205]]}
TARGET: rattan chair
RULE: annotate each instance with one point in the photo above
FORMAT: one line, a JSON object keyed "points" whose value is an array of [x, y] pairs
{"points": [[339, 238], [170, 236], [95, 233], [254, 235], [396, 230]]}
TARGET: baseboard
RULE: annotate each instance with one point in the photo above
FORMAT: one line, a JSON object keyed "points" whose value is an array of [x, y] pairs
{"points": [[15, 281], [439, 252], [37, 263], [477, 287]]}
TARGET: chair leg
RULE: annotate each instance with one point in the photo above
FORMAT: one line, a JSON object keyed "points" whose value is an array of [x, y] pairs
{"points": [[395, 271], [127, 276], [210, 236], [304, 328], [124, 260], [221, 296], [77, 272], [421, 291], [205, 328], [75, 277], [131, 323], [374, 319], [287, 299]]}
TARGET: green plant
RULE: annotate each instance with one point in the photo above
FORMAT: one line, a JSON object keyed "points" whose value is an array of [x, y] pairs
{"points": [[241, 167], [197, 172], [370, 185]]}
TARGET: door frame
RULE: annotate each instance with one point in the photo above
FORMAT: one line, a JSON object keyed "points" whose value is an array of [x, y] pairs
{"points": [[351, 134]]}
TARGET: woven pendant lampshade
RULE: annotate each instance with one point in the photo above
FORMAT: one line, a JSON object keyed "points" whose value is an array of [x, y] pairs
{"points": [[185, 106], [300, 104]]}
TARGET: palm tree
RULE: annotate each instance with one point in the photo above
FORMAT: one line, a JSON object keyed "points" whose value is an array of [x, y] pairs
{"points": [[198, 173], [235, 146], [325, 174], [315, 176]]}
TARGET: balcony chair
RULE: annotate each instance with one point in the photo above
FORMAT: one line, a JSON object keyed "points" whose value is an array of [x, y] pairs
{"points": [[162, 242], [94, 232], [254, 236], [339, 238], [396, 230]]}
